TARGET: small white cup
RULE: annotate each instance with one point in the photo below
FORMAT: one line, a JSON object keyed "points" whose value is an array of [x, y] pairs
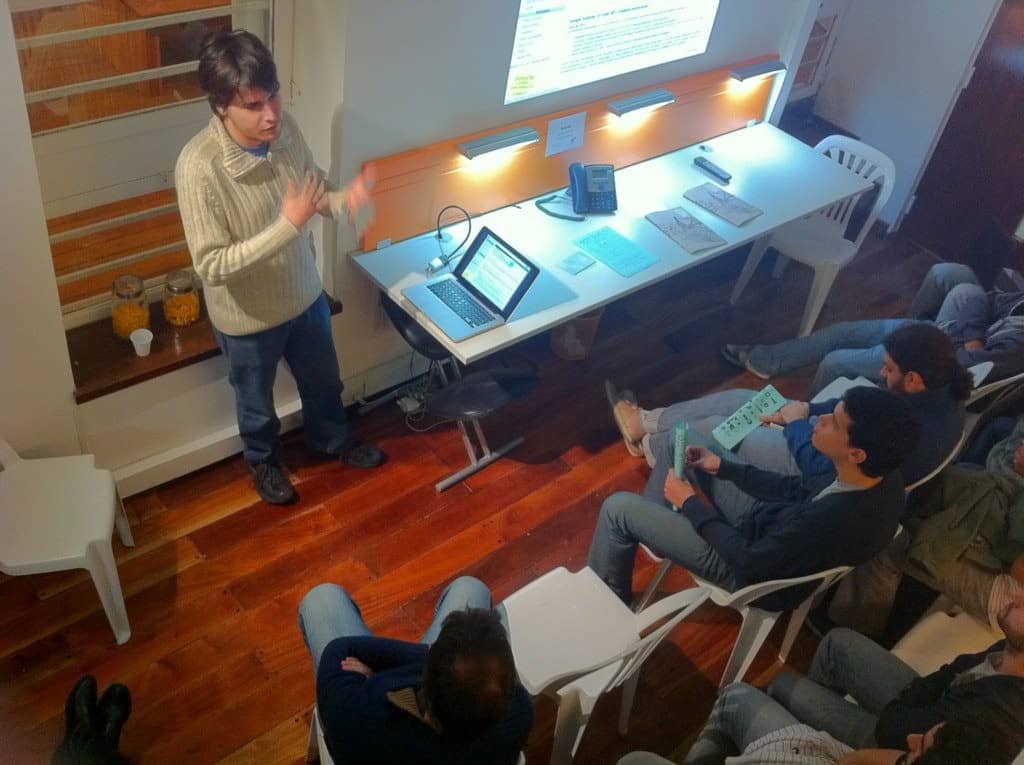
{"points": [[142, 339]]}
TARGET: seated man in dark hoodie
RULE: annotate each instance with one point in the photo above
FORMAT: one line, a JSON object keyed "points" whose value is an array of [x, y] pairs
{"points": [[452, 699], [919, 364], [761, 525], [892, 700]]}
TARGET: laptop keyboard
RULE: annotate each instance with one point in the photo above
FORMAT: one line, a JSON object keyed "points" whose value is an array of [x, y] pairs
{"points": [[452, 295]]}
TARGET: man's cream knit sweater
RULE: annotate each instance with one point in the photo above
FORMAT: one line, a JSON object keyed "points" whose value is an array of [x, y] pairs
{"points": [[258, 270]]}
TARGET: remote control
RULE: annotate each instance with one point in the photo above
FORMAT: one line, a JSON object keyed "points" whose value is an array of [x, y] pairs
{"points": [[712, 169]]}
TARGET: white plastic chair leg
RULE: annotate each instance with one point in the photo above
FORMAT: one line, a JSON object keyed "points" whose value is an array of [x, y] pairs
{"points": [[781, 262], [756, 253], [574, 710], [124, 529], [824, 276], [652, 588], [796, 621], [755, 628], [312, 747], [626, 708], [103, 569]]}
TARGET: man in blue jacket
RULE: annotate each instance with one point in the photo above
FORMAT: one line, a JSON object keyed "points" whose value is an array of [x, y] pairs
{"points": [[452, 699], [919, 364], [983, 326], [760, 525]]}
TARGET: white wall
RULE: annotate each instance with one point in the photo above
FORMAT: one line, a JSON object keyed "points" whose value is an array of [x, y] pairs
{"points": [[37, 413], [895, 74]]}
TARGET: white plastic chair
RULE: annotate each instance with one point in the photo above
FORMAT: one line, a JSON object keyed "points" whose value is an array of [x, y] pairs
{"points": [[573, 639], [59, 513], [757, 622], [819, 240], [940, 637], [316, 750]]}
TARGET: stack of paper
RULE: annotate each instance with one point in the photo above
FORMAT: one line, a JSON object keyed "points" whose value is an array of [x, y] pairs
{"points": [[685, 230], [717, 200]]}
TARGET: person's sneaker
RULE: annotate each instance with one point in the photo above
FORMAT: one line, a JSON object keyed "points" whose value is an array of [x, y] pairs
{"points": [[273, 485], [739, 356], [362, 454]]}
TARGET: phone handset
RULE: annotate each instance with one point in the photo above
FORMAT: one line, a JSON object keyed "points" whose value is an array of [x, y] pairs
{"points": [[578, 188]]}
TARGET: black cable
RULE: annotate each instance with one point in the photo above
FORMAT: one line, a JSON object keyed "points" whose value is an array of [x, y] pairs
{"points": [[564, 216], [438, 263]]}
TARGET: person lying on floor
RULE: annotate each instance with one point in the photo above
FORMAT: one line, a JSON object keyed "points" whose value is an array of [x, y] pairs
{"points": [[748, 727], [919, 364], [891, 700], [963, 537], [983, 327], [760, 525]]}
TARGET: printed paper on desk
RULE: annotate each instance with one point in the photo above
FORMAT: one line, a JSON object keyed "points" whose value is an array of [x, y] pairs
{"points": [[565, 133], [617, 252], [576, 262], [685, 230], [717, 200]]}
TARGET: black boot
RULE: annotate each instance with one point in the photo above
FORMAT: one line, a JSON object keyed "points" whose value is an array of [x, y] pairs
{"points": [[115, 705], [80, 713]]}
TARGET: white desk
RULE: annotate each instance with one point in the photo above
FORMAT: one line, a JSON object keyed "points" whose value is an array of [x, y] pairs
{"points": [[770, 169]]}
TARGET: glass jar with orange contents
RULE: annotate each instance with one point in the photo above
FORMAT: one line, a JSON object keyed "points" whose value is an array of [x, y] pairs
{"points": [[181, 301], [130, 309]]}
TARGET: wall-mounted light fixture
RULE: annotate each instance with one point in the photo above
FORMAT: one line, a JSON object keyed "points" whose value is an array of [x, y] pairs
{"points": [[652, 99], [752, 71], [508, 139]]}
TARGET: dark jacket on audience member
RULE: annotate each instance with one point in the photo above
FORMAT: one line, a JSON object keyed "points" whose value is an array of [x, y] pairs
{"points": [[995, 702], [940, 416], [997, 318], [372, 721], [790, 533]]}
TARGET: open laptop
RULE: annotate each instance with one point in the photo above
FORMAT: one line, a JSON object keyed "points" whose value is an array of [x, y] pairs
{"points": [[481, 293]]}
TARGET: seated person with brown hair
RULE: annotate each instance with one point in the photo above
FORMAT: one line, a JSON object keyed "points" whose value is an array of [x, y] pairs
{"points": [[760, 525]]}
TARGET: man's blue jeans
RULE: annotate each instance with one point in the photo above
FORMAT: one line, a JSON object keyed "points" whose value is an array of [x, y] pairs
{"points": [[307, 345], [846, 662], [853, 348], [328, 612], [743, 714]]}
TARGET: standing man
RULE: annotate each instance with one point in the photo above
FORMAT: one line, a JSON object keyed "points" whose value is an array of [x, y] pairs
{"points": [[247, 186]]}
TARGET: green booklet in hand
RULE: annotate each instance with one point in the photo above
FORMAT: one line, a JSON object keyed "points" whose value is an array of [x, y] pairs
{"points": [[747, 418]]}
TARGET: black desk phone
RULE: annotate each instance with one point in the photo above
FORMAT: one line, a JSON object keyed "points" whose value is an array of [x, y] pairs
{"points": [[592, 188]]}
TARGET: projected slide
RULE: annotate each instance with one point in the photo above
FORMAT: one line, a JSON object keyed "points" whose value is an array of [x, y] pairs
{"points": [[563, 43]]}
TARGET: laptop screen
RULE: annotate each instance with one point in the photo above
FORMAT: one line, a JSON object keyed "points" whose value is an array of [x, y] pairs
{"points": [[495, 270]]}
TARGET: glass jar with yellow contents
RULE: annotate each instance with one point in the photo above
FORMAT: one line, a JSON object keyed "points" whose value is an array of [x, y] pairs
{"points": [[181, 300], [130, 309]]}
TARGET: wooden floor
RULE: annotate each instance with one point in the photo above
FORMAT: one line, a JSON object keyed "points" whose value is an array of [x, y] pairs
{"points": [[216, 664]]}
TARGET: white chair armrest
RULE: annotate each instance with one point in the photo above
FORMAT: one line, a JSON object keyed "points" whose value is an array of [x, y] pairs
{"points": [[670, 605], [752, 592]]}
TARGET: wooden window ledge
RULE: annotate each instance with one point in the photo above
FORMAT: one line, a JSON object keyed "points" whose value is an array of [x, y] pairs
{"points": [[103, 363]]}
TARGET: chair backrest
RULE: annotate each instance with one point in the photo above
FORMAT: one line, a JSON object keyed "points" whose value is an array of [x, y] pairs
{"points": [[980, 391], [7, 455], [953, 454], [744, 597], [867, 162], [681, 604]]}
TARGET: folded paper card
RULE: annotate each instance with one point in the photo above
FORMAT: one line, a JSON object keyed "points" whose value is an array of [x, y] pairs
{"points": [[685, 230], [717, 200]]}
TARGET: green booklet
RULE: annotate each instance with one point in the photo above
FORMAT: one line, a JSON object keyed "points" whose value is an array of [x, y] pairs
{"points": [[747, 418]]}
